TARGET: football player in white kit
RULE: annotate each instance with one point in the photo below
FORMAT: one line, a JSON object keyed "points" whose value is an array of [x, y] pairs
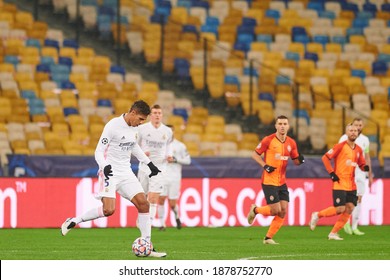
{"points": [[173, 181], [117, 143], [360, 176], [155, 139]]}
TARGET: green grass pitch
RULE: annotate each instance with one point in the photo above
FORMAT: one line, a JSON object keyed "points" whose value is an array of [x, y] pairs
{"points": [[225, 243]]}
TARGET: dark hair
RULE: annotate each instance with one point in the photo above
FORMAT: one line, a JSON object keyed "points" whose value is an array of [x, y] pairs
{"points": [[281, 117], [140, 107], [357, 120]]}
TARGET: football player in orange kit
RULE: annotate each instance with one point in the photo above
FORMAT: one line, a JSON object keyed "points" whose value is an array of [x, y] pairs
{"points": [[277, 149], [347, 156]]}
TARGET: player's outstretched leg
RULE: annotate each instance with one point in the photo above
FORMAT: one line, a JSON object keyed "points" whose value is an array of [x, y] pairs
{"points": [[251, 215], [178, 223], [155, 254], [67, 226], [334, 236], [313, 220]]}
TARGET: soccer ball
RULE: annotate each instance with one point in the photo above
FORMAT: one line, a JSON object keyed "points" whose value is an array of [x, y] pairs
{"points": [[142, 247]]}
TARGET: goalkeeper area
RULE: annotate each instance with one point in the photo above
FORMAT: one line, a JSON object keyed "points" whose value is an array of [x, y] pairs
{"points": [[196, 243]]}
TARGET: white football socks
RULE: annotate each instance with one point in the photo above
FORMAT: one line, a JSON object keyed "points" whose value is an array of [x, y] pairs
{"points": [[144, 225], [161, 214], [92, 214], [355, 216]]}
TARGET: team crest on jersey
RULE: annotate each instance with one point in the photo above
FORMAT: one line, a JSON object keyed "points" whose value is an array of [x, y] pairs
{"points": [[289, 148], [104, 141], [136, 136], [272, 198], [164, 137]]}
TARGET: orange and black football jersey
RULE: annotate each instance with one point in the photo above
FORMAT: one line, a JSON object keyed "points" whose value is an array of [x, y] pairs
{"points": [[276, 154], [346, 159]]}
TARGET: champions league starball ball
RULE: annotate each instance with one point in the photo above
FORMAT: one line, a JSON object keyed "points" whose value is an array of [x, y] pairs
{"points": [[142, 247]]}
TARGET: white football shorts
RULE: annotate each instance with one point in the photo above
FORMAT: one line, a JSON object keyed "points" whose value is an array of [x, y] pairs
{"points": [[155, 184], [127, 186], [172, 188]]}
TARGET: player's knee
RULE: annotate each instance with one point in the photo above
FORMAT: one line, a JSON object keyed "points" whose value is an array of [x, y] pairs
{"points": [[108, 212], [282, 213], [144, 207]]}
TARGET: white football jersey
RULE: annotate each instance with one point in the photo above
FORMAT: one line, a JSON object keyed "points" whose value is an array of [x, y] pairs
{"points": [[116, 145], [182, 158], [157, 142]]}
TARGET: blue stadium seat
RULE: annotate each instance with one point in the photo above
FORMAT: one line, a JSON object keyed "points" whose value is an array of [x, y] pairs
{"points": [[51, 43], [233, 80], [70, 43], [246, 29], [360, 23], [383, 57], [385, 7], [201, 4], [247, 72], [272, 14], [59, 68], [266, 38], [302, 113], [28, 94], [370, 7], [210, 29], [184, 3], [267, 96], [12, 59], [327, 14], [182, 68], [358, 73], [70, 111], [104, 25], [346, 6], [322, 39], [210, 20], [36, 103], [365, 14], [63, 60], [311, 56], [118, 69], [47, 60], [104, 103], [247, 21], [189, 28], [43, 68], [32, 42], [318, 6], [283, 80], [89, 2], [301, 38], [354, 31], [159, 18], [67, 85], [379, 68], [298, 30], [242, 46], [292, 56], [340, 39], [37, 111], [181, 112]]}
